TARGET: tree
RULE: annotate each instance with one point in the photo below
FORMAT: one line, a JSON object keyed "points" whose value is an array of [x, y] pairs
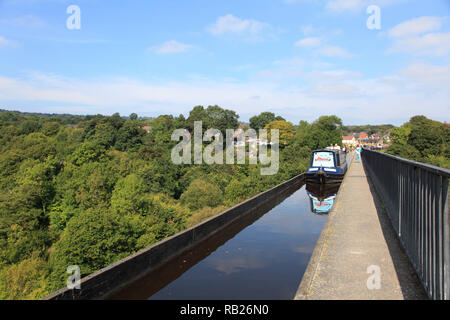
{"points": [[286, 130], [239, 189], [221, 119], [133, 116], [263, 119], [325, 131], [104, 134], [201, 193], [161, 133], [213, 117], [400, 135], [91, 240], [50, 128], [88, 151], [129, 195], [427, 136], [25, 280], [423, 140], [129, 136], [29, 126]]}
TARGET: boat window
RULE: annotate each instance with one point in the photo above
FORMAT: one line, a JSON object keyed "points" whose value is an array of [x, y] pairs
{"points": [[323, 159]]}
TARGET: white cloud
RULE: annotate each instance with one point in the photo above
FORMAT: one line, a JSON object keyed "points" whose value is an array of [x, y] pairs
{"points": [[282, 69], [332, 75], [171, 46], [418, 89], [345, 5], [417, 26], [308, 42], [428, 75], [307, 30], [431, 44], [353, 6], [333, 52], [27, 21], [230, 24], [321, 49], [7, 43], [414, 37]]}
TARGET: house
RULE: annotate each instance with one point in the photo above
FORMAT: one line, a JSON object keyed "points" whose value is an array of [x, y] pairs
{"points": [[146, 128], [376, 136], [362, 136], [349, 141]]}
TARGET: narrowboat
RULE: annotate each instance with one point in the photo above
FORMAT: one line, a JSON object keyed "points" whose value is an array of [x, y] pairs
{"points": [[327, 166], [321, 196]]}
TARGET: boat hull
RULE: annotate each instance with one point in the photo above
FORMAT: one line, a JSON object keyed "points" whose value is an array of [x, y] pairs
{"points": [[324, 178]]}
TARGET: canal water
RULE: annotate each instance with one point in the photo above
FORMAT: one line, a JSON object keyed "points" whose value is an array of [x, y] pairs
{"points": [[262, 255]]}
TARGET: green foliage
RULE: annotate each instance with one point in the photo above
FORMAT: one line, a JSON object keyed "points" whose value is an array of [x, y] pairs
{"points": [[213, 117], [29, 126], [24, 281], [427, 136], [422, 140], [239, 189], [50, 128], [91, 240], [204, 214], [129, 195], [263, 119], [129, 136], [87, 152], [399, 135], [90, 190], [369, 129], [105, 134], [325, 131], [286, 130], [200, 194]]}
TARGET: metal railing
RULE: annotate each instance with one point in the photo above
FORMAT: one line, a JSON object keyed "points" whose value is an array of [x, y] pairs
{"points": [[415, 196]]}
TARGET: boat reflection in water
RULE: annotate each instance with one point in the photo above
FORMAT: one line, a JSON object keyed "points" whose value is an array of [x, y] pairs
{"points": [[322, 196]]}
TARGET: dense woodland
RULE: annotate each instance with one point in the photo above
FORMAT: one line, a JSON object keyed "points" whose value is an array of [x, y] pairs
{"points": [[369, 129], [422, 140], [90, 190]]}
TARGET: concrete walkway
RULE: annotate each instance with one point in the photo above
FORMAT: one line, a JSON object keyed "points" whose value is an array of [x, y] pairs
{"points": [[357, 236]]}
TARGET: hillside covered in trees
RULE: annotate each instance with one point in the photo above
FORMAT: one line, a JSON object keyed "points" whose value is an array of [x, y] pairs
{"points": [[422, 140], [90, 190], [381, 129]]}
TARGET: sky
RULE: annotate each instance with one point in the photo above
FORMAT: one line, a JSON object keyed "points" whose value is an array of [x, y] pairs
{"points": [[297, 58]]}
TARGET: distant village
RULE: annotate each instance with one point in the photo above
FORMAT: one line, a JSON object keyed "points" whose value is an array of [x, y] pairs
{"points": [[350, 142], [374, 141]]}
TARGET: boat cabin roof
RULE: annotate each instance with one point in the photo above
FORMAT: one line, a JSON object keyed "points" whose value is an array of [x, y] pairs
{"points": [[326, 150]]}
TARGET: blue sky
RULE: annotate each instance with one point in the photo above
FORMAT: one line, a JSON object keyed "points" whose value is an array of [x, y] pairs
{"points": [[297, 58]]}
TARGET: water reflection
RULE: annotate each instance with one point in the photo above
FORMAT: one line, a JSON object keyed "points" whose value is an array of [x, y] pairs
{"points": [[322, 196], [263, 255]]}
